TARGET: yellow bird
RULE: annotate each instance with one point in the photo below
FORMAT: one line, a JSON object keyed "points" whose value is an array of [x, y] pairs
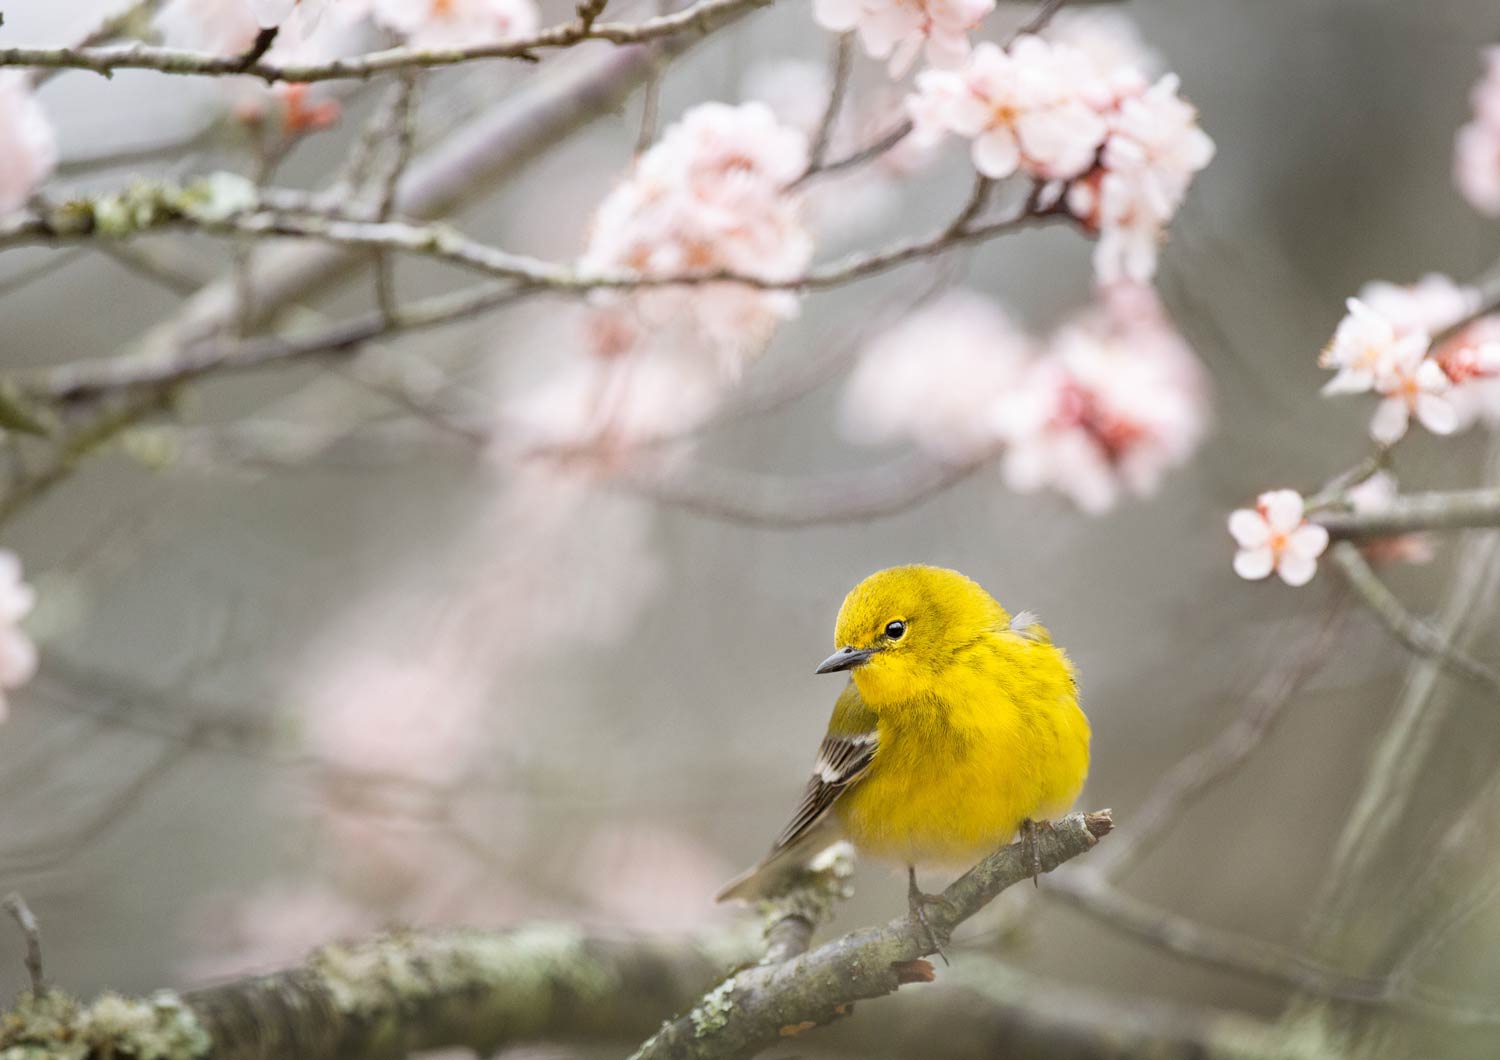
{"points": [[960, 726]]}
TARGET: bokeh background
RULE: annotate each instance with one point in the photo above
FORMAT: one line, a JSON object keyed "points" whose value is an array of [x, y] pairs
{"points": [[392, 681]]}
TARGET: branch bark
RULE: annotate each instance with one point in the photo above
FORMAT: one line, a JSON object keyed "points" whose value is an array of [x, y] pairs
{"points": [[700, 18], [754, 1009]]}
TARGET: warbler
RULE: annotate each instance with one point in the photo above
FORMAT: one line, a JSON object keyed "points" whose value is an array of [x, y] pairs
{"points": [[959, 727]]}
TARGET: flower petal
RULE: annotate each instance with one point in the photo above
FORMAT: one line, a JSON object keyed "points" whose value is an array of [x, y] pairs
{"points": [[996, 153], [1253, 564], [1437, 414], [1248, 529], [1283, 510], [1296, 570], [1308, 541], [1389, 422]]}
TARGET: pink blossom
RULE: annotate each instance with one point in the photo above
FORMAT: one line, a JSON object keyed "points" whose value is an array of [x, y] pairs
{"points": [[1154, 149], [1471, 360], [1119, 63], [1366, 346], [1021, 109], [708, 197], [1116, 402], [935, 377], [896, 30], [223, 27], [450, 23], [1476, 153], [17, 652], [1430, 305], [1412, 384], [1274, 536], [28, 147]]}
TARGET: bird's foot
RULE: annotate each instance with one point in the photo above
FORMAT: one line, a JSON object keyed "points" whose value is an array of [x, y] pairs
{"points": [[1029, 829], [917, 902]]}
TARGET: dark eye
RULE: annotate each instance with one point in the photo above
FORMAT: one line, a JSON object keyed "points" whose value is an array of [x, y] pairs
{"points": [[895, 630]]}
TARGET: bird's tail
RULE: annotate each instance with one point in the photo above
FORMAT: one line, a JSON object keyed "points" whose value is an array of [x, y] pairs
{"points": [[781, 869]]}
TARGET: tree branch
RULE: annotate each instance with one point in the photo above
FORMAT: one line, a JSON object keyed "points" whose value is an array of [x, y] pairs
{"points": [[754, 1009], [814, 500], [702, 17], [1438, 510], [1415, 634]]}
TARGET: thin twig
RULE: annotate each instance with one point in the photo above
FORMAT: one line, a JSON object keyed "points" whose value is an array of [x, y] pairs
{"points": [[20, 912], [857, 158], [1091, 894], [838, 87], [701, 17], [1418, 636]]}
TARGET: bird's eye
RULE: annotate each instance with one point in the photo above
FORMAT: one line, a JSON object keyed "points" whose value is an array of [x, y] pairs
{"points": [[895, 629]]}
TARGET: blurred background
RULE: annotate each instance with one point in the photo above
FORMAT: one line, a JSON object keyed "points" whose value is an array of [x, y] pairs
{"points": [[308, 668]]}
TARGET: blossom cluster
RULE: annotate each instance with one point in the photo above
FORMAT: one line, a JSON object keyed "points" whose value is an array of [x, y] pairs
{"points": [[1476, 150], [1099, 410], [1086, 123], [709, 197], [1385, 345], [17, 652], [898, 30]]}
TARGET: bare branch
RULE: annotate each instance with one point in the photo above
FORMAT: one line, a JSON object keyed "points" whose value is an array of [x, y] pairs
{"points": [[838, 87], [1193, 774], [1438, 510], [1090, 893], [702, 17], [1415, 634], [787, 503], [754, 1008]]}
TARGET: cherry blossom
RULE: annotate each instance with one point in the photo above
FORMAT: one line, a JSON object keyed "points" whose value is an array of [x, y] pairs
{"points": [[896, 30], [17, 652], [1365, 347], [1412, 384], [1119, 63], [1476, 154], [1117, 401], [1154, 149], [935, 377], [28, 147], [1274, 536], [1020, 107], [449, 23], [709, 196], [1471, 360], [1430, 305]]}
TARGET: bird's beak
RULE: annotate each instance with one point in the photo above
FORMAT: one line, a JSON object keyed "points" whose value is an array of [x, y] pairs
{"points": [[845, 659]]}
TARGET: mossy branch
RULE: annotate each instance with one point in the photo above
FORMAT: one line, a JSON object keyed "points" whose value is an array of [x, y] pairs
{"points": [[393, 995]]}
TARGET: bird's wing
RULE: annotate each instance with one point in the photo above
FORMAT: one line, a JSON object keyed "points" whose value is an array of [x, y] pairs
{"points": [[842, 759]]}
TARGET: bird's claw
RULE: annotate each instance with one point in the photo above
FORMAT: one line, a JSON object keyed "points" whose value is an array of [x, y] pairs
{"points": [[917, 901], [1033, 853]]}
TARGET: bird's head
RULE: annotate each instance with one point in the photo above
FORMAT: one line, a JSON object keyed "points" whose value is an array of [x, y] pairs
{"points": [[901, 627]]}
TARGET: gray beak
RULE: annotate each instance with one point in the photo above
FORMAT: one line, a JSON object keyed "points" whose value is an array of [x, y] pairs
{"points": [[845, 659]]}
